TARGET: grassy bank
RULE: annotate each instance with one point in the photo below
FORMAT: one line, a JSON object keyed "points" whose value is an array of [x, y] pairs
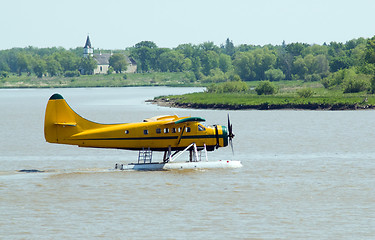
{"points": [[112, 80], [286, 98]]}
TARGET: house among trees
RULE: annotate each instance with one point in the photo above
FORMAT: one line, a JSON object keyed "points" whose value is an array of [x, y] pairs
{"points": [[102, 59]]}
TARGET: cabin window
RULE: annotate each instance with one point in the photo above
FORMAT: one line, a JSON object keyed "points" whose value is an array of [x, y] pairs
{"points": [[173, 130], [188, 129], [145, 132], [166, 130], [179, 129], [126, 131], [158, 130], [201, 128]]}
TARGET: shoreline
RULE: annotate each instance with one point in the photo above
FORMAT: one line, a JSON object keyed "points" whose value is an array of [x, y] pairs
{"points": [[163, 102]]}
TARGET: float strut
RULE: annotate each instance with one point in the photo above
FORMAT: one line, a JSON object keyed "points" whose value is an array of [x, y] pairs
{"points": [[170, 153]]}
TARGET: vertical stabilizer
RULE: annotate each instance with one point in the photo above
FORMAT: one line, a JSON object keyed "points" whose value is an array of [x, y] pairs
{"points": [[61, 122]]}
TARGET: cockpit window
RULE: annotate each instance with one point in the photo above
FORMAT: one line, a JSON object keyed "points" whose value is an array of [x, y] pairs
{"points": [[201, 128]]}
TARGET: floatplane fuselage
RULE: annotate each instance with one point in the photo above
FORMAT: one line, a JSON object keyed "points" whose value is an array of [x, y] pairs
{"points": [[162, 133]]}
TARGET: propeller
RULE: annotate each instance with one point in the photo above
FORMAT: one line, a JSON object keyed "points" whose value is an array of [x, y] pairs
{"points": [[230, 134]]}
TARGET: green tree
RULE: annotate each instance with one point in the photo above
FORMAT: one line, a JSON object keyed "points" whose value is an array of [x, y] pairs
{"points": [[209, 46], [143, 56], [187, 49], [209, 60], [187, 65], [11, 60], [308, 65], [284, 62], [305, 92], [252, 65], [266, 88], [336, 49], [196, 67], [3, 74], [265, 59], [53, 66], [23, 63], [39, 67], [110, 70], [355, 84], [225, 63], [244, 63], [229, 48], [357, 54], [372, 85], [337, 63], [68, 60], [172, 61], [274, 75], [147, 44], [370, 51], [315, 49], [118, 62], [88, 64], [319, 65], [348, 80], [295, 49], [4, 65]]}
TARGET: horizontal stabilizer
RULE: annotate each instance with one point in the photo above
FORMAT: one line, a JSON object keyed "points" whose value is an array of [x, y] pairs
{"points": [[71, 124]]}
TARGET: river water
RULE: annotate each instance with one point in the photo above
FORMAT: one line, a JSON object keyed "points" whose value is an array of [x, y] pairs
{"points": [[305, 175]]}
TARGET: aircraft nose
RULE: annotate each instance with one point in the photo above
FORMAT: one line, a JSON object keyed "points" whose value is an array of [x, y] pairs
{"points": [[225, 136]]}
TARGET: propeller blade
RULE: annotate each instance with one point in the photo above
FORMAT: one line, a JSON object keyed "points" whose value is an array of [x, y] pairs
{"points": [[230, 129], [230, 134], [231, 146]]}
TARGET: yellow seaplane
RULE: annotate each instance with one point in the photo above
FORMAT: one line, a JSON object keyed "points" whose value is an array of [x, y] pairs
{"points": [[171, 134]]}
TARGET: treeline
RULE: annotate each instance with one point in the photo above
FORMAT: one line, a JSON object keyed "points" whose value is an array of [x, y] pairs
{"points": [[332, 63], [42, 61], [285, 61], [53, 62]]}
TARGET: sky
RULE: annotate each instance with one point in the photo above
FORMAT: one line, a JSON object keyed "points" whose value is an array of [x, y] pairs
{"points": [[120, 24]]}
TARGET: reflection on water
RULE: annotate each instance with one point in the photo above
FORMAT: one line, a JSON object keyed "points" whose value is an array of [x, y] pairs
{"points": [[306, 175]]}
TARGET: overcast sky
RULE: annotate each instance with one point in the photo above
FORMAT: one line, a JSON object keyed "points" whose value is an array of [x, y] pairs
{"points": [[121, 24]]}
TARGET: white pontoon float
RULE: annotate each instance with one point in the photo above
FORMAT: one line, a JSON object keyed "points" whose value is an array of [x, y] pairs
{"points": [[195, 161]]}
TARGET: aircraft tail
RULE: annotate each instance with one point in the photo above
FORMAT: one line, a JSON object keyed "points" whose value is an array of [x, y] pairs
{"points": [[61, 122]]}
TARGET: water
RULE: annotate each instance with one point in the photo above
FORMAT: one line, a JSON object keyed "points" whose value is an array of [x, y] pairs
{"points": [[306, 175]]}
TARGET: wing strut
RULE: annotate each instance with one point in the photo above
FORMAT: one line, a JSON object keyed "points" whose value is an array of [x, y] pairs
{"points": [[182, 132]]}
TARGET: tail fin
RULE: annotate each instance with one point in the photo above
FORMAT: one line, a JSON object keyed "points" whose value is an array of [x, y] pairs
{"points": [[61, 122]]}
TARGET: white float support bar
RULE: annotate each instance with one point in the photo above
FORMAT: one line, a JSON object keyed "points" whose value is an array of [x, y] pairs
{"points": [[205, 151], [196, 153], [179, 154], [170, 153]]}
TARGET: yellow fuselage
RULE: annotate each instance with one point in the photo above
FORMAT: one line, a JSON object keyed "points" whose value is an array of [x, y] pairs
{"points": [[156, 136], [64, 126]]}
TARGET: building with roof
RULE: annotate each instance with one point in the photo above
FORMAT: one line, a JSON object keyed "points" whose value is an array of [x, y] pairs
{"points": [[102, 59]]}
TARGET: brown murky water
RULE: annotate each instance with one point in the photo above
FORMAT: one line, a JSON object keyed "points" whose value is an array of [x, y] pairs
{"points": [[306, 175]]}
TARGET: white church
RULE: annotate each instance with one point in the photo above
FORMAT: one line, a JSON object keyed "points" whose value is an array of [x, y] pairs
{"points": [[102, 59]]}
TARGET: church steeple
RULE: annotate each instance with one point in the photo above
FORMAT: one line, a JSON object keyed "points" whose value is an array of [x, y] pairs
{"points": [[88, 42], [87, 49]]}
